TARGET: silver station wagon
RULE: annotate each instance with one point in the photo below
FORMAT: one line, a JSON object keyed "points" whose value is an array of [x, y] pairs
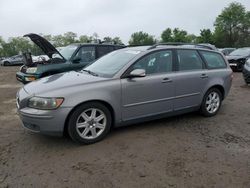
{"points": [[126, 86]]}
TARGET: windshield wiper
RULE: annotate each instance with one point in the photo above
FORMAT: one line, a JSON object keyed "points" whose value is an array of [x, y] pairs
{"points": [[90, 72]]}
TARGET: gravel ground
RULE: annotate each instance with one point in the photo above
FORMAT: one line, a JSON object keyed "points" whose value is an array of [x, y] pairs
{"points": [[183, 151]]}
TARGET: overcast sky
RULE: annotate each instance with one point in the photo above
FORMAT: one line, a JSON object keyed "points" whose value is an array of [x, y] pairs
{"points": [[108, 17]]}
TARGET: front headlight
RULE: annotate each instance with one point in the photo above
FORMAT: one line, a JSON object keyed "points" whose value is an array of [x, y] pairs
{"points": [[45, 103], [31, 70]]}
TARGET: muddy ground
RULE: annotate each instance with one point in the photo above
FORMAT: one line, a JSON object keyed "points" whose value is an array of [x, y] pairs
{"points": [[184, 151]]}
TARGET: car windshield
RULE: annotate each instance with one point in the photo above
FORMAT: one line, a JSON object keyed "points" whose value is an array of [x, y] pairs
{"points": [[241, 52], [68, 51], [110, 64]]}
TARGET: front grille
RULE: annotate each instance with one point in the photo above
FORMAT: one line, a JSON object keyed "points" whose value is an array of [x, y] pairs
{"points": [[232, 61]]}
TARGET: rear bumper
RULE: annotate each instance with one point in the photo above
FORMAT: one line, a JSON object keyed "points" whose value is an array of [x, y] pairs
{"points": [[47, 122], [26, 78], [246, 74]]}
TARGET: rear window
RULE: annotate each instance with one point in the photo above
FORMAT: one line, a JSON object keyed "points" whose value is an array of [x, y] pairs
{"points": [[189, 60], [214, 60]]}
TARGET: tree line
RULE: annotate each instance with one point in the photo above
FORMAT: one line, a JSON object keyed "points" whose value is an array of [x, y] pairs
{"points": [[231, 29]]}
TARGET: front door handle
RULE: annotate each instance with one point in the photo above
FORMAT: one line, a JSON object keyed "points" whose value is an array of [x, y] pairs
{"points": [[166, 80], [204, 76]]}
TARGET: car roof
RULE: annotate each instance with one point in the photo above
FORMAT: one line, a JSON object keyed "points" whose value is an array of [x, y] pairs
{"points": [[153, 48], [95, 44]]}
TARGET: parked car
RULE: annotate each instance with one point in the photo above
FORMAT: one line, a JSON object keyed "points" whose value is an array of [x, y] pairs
{"points": [[126, 86], [246, 71], [226, 51], [14, 60], [72, 57], [238, 58]]}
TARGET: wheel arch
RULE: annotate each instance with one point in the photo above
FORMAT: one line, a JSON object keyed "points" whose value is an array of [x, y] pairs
{"points": [[5, 63], [106, 104], [220, 88]]}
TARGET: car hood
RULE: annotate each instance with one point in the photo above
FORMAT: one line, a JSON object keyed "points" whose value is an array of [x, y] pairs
{"points": [[234, 57], [45, 45], [59, 81]]}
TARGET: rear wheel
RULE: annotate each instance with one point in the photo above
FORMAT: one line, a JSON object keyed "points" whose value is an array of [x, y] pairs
{"points": [[89, 123], [211, 102]]}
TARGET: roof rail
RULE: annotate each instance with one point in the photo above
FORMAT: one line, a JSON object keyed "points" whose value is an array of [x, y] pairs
{"points": [[206, 46]]}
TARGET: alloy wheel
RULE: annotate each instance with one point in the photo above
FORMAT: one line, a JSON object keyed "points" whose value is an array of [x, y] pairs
{"points": [[212, 102], [91, 123]]}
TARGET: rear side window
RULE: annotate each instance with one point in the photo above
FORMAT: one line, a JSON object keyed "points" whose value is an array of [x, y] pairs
{"points": [[103, 50], [189, 60], [214, 60]]}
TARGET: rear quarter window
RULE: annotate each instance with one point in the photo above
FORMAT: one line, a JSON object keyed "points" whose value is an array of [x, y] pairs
{"points": [[213, 60]]}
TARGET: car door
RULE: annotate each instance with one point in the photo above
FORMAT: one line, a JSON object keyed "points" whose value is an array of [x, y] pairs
{"points": [[190, 80], [152, 94]]}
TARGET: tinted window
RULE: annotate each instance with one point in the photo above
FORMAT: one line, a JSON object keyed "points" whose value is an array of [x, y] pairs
{"points": [[118, 47], [189, 60], [103, 50], [86, 54], [157, 62], [213, 60]]}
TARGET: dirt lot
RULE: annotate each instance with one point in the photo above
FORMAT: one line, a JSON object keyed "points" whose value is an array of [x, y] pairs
{"points": [[183, 151]]}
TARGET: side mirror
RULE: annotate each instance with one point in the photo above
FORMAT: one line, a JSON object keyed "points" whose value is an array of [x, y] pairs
{"points": [[76, 60], [137, 73]]}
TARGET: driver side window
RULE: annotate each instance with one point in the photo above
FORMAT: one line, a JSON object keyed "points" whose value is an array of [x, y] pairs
{"points": [[86, 54], [156, 62]]}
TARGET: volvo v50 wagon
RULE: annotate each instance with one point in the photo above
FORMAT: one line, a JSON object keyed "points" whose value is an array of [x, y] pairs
{"points": [[126, 86]]}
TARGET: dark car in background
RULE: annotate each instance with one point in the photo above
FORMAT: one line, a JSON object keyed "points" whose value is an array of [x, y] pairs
{"points": [[238, 57], [14, 60], [71, 57], [246, 71], [226, 51]]}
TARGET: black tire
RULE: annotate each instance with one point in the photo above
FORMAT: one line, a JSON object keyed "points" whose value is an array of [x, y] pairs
{"points": [[72, 129], [203, 108]]}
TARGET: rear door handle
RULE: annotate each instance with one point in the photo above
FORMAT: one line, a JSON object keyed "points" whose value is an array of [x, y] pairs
{"points": [[204, 76], [166, 80]]}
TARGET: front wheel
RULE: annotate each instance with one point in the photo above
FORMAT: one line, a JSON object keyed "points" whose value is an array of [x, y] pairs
{"points": [[89, 123], [211, 102]]}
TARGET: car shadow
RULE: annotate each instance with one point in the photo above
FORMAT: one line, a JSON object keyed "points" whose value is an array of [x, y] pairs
{"points": [[66, 142]]}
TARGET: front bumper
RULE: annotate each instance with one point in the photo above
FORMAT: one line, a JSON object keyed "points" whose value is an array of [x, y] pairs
{"points": [[26, 78], [246, 74], [48, 122]]}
